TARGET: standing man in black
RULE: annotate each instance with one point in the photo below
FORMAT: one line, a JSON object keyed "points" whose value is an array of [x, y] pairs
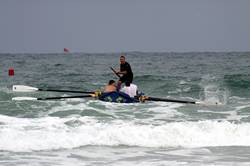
{"points": [[125, 71]]}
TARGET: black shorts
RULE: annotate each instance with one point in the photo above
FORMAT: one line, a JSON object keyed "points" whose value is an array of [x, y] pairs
{"points": [[126, 78]]}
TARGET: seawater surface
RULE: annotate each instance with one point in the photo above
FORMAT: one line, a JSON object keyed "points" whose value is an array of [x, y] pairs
{"points": [[86, 131]]}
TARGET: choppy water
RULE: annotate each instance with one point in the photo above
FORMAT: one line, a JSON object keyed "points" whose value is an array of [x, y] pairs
{"points": [[91, 132]]}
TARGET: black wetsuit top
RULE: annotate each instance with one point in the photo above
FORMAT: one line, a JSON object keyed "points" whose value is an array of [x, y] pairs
{"points": [[126, 77]]}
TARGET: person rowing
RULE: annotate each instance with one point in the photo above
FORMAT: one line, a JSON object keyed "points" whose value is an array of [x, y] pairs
{"points": [[125, 72], [111, 94], [130, 89], [111, 87]]}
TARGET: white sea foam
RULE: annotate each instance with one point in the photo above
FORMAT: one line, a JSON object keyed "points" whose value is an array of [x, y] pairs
{"points": [[162, 112], [182, 82], [20, 134]]}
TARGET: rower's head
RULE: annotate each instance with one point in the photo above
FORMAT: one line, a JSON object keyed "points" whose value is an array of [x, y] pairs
{"points": [[122, 59], [127, 83], [111, 82]]}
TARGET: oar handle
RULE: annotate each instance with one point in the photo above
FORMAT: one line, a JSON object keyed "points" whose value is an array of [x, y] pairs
{"points": [[115, 72]]}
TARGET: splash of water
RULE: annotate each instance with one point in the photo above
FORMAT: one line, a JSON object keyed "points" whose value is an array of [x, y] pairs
{"points": [[214, 92]]}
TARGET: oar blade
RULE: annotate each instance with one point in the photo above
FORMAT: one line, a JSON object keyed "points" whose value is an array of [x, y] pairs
{"points": [[209, 103], [23, 98], [24, 88]]}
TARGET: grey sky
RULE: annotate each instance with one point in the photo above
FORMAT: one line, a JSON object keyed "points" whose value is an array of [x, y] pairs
{"points": [[124, 25]]}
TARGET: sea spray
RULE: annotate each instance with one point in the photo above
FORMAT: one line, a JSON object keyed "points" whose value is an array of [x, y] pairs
{"points": [[214, 91]]}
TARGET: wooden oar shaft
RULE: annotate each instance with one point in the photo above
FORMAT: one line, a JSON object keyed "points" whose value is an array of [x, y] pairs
{"points": [[115, 72], [170, 100], [64, 97], [69, 91], [25, 88]]}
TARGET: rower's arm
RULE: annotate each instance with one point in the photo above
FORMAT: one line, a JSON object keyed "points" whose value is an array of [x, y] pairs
{"points": [[122, 72]]}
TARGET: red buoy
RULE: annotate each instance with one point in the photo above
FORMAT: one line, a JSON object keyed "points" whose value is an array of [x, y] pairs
{"points": [[66, 50], [11, 71]]}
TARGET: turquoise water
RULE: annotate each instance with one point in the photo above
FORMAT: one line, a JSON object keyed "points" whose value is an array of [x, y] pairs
{"points": [[91, 132]]}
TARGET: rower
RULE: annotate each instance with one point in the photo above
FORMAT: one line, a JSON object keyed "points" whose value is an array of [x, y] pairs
{"points": [[130, 89], [111, 87], [125, 71]]}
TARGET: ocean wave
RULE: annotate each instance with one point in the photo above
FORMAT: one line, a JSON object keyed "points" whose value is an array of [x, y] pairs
{"points": [[20, 134]]}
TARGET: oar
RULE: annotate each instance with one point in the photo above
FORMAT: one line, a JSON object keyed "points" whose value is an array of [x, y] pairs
{"points": [[115, 72], [170, 100], [24, 88], [51, 98], [144, 98]]}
